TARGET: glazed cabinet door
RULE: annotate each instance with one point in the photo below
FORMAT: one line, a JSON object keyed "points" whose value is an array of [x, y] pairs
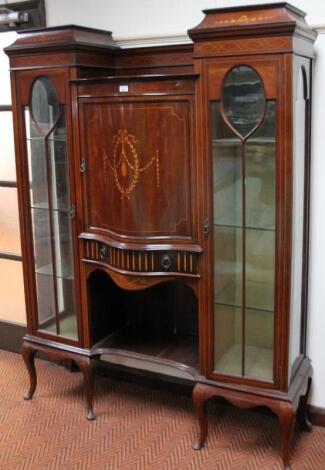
{"points": [[49, 211], [244, 128]]}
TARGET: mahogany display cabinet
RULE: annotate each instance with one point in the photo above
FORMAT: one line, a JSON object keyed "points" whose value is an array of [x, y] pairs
{"points": [[164, 205]]}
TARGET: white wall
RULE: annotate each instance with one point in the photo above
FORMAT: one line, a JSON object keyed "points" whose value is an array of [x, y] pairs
{"points": [[141, 18], [156, 18], [316, 332], [129, 18]]}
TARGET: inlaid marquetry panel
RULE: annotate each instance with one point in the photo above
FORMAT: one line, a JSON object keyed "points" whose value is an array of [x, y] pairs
{"points": [[140, 261], [235, 46]]}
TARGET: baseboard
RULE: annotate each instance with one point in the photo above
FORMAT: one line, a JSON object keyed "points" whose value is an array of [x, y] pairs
{"points": [[11, 335], [316, 415]]}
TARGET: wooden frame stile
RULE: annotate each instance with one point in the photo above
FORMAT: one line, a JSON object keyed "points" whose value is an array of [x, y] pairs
{"points": [[285, 215], [208, 209], [73, 172], [203, 220], [280, 224], [80, 212]]}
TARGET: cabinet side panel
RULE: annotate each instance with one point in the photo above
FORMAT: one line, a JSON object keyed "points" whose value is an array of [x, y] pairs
{"points": [[301, 108]]}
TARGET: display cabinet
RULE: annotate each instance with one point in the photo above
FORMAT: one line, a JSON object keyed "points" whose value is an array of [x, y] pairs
{"points": [[164, 205]]}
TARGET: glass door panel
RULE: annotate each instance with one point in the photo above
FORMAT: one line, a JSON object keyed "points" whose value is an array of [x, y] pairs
{"points": [[260, 265], [46, 301], [260, 173], [228, 346], [259, 334], [51, 211], [243, 153], [38, 187], [228, 265], [227, 175]]}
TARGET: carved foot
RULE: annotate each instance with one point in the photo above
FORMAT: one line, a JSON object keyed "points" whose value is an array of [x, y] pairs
{"points": [[28, 354], [302, 417], [85, 365], [201, 394], [197, 445]]}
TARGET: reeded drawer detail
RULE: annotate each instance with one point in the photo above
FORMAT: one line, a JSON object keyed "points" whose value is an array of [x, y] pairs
{"points": [[139, 261]]}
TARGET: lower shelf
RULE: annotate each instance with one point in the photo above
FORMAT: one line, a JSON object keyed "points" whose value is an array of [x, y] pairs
{"points": [[171, 352]]}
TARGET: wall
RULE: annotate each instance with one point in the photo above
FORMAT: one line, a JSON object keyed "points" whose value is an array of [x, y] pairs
{"points": [[142, 18], [167, 21]]}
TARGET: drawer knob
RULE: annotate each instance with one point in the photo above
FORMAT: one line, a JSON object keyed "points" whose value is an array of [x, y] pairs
{"points": [[166, 262], [103, 252]]}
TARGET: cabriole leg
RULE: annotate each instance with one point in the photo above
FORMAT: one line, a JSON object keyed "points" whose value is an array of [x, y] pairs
{"points": [[286, 417], [85, 365], [28, 353], [201, 394]]}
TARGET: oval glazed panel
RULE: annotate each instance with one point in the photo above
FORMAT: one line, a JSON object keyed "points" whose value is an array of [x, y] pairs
{"points": [[243, 100], [44, 104]]}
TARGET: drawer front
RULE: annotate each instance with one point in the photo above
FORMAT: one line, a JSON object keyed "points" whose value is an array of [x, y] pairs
{"points": [[153, 262]]}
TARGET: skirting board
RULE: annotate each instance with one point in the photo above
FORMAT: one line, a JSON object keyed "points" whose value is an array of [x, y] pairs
{"points": [[11, 337], [316, 415]]}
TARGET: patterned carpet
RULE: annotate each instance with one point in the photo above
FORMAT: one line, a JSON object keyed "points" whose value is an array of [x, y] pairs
{"points": [[137, 428]]}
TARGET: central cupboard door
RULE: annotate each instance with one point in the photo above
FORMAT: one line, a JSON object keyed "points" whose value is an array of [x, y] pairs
{"points": [[140, 170], [244, 138]]}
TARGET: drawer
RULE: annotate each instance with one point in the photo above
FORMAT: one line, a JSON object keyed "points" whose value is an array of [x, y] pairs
{"points": [[146, 262]]}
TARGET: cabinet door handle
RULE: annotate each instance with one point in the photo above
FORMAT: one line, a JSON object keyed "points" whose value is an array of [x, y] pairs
{"points": [[73, 211], [83, 165], [206, 227]]}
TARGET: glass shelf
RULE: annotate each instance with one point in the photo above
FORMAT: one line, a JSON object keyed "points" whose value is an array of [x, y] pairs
{"points": [[262, 229], [252, 140], [61, 206], [259, 295], [63, 273], [50, 139]]}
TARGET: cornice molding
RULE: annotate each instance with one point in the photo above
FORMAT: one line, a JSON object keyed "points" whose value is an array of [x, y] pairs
{"points": [[320, 28], [148, 41], [170, 40]]}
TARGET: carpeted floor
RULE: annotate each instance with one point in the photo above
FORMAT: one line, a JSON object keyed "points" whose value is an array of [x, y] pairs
{"points": [[136, 428]]}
